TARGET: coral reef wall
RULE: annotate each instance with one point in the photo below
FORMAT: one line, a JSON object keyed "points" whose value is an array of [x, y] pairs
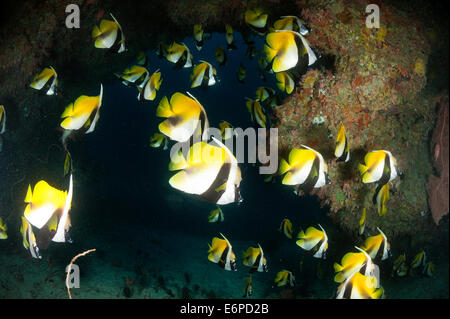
{"points": [[375, 89]]}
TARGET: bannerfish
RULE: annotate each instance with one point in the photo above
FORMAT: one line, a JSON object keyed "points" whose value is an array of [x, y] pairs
{"points": [[283, 278], [216, 215], [314, 240], [203, 75], [256, 19], [352, 262], [229, 37], [48, 78], [226, 129], [267, 96], [48, 210], [81, 115], [359, 286], [209, 172], [257, 113], [135, 75], [291, 23], [248, 287], [109, 35], [286, 50], [254, 258], [285, 82], [306, 168], [3, 229], [379, 166], [241, 73], [29, 239], [221, 56], [286, 228], [186, 117], [198, 36], [377, 246], [362, 222], [150, 87], [380, 198], [180, 55], [159, 140], [342, 151], [221, 252], [142, 59]]}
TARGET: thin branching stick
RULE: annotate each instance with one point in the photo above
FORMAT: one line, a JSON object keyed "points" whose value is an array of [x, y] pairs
{"points": [[69, 269]]}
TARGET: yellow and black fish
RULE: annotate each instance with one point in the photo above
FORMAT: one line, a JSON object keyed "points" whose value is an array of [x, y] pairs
{"points": [[285, 82], [251, 52], [47, 79], [353, 262], [291, 23], [254, 258], [3, 229], [267, 96], [359, 286], [186, 117], [362, 222], [377, 246], [81, 115], [221, 56], [379, 166], [109, 35], [221, 252], [248, 287], [48, 210], [342, 151], [229, 37], [180, 55], [198, 36], [2, 119], [256, 19], [257, 113], [135, 75], [226, 129], [314, 240], [203, 75], [306, 168], [142, 59], [400, 268], [241, 73], [29, 240], [158, 140], [381, 197], [162, 49], [419, 261], [216, 215], [429, 269], [284, 277], [209, 172], [286, 228], [150, 87], [286, 50]]}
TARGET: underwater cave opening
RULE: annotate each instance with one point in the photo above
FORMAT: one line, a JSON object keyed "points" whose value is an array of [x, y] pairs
{"points": [[124, 182]]}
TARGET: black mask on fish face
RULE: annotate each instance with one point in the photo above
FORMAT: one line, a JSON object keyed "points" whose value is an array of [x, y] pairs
{"points": [[233, 265]]}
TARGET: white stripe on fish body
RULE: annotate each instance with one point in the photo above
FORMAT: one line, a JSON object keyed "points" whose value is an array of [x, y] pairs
{"points": [[60, 236]]}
